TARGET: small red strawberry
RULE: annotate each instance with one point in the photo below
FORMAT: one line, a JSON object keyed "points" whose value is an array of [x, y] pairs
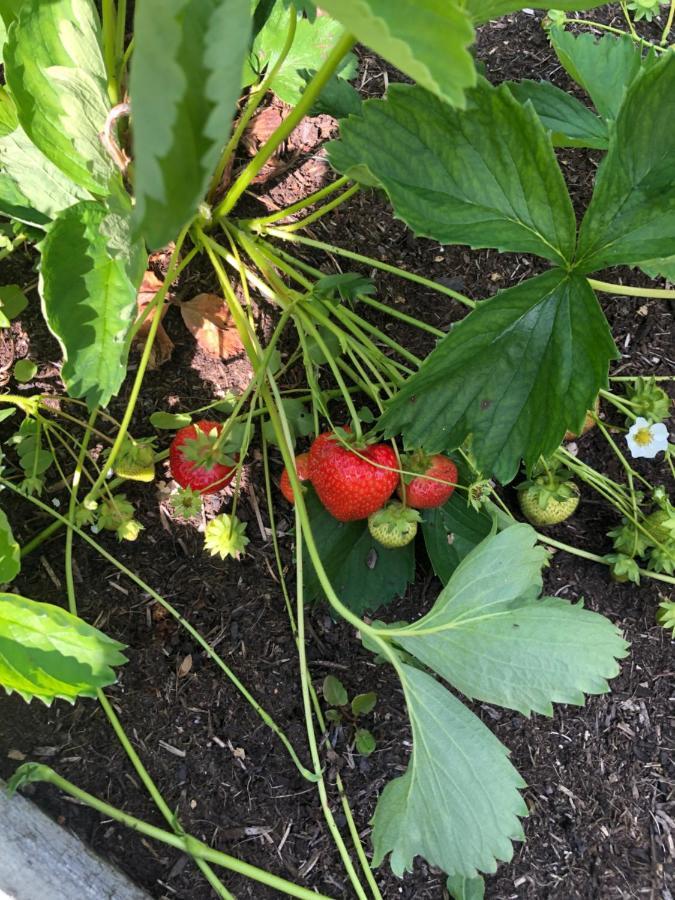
{"points": [[302, 469], [195, 460], [352, 482], [434, 483]]}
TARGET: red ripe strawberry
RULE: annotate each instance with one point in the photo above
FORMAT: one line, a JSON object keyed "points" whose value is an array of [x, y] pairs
{"points": [[302, 469], [345, 479], [423, 493], [196, 463]]}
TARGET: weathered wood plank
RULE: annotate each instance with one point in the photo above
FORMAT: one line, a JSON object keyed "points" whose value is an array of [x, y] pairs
{"points": [[41, 861]]}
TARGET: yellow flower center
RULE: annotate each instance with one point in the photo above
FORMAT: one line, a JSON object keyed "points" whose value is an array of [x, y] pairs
{"points": [[643, 437]]}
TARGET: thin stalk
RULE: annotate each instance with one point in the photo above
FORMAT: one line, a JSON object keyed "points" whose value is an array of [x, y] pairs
{"points": [[145, 358], [629, 21], [591, 24], [622, 290], [191, 630], [72, 506], [323, 210], [668, 25], [375, 263], [120, 33], [310, 200], [186, 843], [156, 796], [254, 100], [109, 31], [16, 243], [312, 91], [136, 327], [633, 377], [584, 554]]}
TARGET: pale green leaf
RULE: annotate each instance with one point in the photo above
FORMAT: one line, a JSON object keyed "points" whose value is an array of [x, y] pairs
{"points": [[170, 421], [55, 71], [483, 10], [490, 637], [9, 10], [458, 803], [364, 742], [24, 370], [462, 888], [47, 653], [631, 217], [13, 301], [334, 692], [10, 556], [313, 42], [604, 67], [89, 299], [570, 122], [486, 176], [362, 704], [185, 80], [518, 371], [426, 39]]}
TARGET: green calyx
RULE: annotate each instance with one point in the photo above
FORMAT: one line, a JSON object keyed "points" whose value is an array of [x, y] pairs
{"points": [[117, 514], [415, 463], [225, 536], [204, 450], [136, 460], [649, 400], [395, 525], [186, 503]]}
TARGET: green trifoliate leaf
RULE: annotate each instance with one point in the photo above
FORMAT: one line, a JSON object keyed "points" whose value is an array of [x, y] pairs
{"points": [[10, 556], [89, 301], [185, 80], [364, 574], [55, 71], [458, 803], [426, 39], [604, 67], [570, 122], [46, 652], [486, 176], [490, 637], [554, 328], [631, 217]]}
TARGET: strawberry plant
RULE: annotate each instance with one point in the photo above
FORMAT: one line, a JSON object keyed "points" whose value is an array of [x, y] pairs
{"points": [[114, 145]]}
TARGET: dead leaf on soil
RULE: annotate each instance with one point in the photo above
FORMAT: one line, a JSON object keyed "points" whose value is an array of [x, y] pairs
{"points": [[209, 321], [163, 346], [185, 666]]}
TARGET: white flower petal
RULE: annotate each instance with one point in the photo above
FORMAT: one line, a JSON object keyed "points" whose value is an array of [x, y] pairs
{"points": [[659, 431]]}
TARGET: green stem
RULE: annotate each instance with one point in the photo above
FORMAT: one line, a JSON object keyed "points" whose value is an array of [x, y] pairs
{"points": [[593, 557], [16, 243], [255, 98], [312, 91], [145, 358], [109, 28], [185, 843], [323, 210], [669, 24], [72, 506], [370, 261], [203, 643], [628, 19], [623, 290], [256, 224], [155, 794]]}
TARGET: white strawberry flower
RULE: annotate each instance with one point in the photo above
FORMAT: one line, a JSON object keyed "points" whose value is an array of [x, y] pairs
{"points": [[647, 440]]}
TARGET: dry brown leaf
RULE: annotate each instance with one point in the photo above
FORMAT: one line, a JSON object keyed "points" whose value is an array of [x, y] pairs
{"points": [[163, 346], [185, 666], [209, 321]]}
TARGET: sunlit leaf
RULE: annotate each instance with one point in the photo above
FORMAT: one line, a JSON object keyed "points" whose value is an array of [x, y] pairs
{"points": [[10, 558]]}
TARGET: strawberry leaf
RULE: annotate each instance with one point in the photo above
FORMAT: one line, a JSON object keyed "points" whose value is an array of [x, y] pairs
{"points": [[517, 372], [486, 176], [46, 652], [365, 575], [631, 217], [451, 532]]}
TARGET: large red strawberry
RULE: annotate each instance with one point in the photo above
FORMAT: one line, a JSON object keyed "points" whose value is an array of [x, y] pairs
{"points": [[195, 460], [352, 482], [434, 482], [302, 469]]}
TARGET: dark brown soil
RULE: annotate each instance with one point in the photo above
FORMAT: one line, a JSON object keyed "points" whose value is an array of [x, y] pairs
{"points": [[601, 777]]}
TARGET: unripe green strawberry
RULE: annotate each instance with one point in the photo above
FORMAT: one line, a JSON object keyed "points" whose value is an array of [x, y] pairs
{"points": [[394, 526], [542, 510]]}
